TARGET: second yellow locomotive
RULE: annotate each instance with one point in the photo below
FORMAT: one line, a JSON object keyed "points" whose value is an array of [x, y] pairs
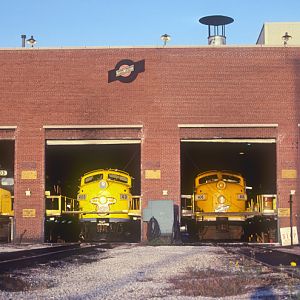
{"points": [[218, 205], [107, 208]]}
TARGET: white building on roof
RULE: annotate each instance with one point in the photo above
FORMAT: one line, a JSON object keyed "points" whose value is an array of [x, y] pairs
{"points": [[271, 33]]}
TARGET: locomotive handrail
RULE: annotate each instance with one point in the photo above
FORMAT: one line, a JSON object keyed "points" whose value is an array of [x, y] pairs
{"points": [[186, 196], [94, 212], [61, 204], [184, 205], [135, 203], [252, 213]]}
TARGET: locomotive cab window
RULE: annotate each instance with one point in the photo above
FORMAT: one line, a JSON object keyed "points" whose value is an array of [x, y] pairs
{"points": [[93, 178], [117, 177], [208, 179], [231, 179]]}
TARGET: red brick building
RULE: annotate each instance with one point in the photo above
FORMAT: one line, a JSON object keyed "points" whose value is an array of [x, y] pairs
{"points": [[184, 95]]}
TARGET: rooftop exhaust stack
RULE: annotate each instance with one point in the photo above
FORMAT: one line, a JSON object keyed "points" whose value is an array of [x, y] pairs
{"points": [[23, 37], [216, 28]]}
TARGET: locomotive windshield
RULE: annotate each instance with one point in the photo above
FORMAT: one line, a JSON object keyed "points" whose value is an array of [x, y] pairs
{"points": [[208, 179], [118, 177], [231, 178], [93, 178]]}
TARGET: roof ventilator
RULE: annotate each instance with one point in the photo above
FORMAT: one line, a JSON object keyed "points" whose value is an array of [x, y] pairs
{"points": [[216, 28]]}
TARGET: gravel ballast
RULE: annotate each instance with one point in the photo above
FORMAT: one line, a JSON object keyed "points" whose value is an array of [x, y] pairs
{"points": [[133, 271]]}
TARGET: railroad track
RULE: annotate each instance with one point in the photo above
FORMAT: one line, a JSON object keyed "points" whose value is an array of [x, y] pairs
{"points": [[271, 256], [25, 258], [275, 259]]}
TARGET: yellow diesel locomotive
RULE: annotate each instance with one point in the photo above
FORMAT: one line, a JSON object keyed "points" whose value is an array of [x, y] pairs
{"points": [[6, 215], [6, 203], [218, 206], [107, 208]]}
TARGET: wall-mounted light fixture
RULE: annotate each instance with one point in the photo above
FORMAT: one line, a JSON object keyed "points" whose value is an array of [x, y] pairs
{"points": [[31, 41], [165, 38], [286, 38], [28, 193], [165, 192]]}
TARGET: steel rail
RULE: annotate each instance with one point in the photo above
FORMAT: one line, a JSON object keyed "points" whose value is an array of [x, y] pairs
{"points": [[25, 258], [269, 257]]}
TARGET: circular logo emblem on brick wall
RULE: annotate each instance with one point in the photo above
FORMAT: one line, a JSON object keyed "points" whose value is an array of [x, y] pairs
{"points": [[126, 71]]}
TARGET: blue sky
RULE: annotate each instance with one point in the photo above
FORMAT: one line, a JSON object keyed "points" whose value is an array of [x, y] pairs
{"points": [[56, 23]]}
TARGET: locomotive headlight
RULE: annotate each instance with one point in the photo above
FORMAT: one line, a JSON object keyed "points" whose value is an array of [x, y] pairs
{"points": [[221, 199], [103, 184], [221, 185], [103, 200]]}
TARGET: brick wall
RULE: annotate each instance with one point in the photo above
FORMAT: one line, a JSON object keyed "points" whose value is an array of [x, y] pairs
{"points": [[29, 176], [205, 85]]}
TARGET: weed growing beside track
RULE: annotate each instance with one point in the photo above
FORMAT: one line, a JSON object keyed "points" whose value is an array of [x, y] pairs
{"points": [[238, 277]]}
